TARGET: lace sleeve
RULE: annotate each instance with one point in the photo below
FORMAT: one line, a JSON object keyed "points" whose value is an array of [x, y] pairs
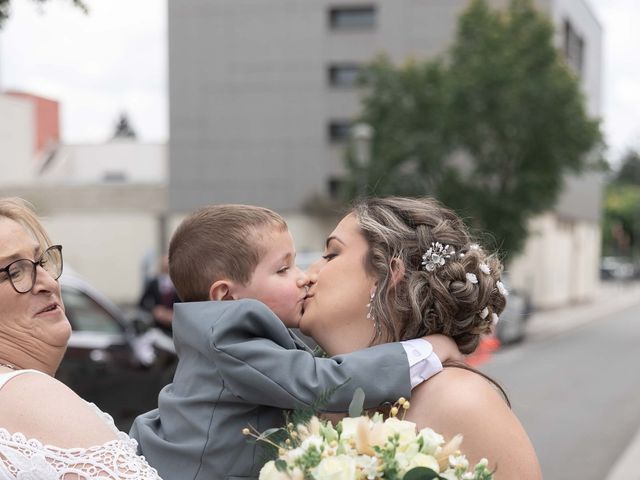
{"points": [[28, 459]]}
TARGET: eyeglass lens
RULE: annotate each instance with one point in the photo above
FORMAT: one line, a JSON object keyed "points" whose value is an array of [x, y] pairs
{"points": [[23, 272]]}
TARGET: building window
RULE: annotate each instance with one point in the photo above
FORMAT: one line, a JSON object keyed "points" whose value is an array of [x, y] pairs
{"points": [[573, 47], [339, 130], [352, 17], [344, 74]]}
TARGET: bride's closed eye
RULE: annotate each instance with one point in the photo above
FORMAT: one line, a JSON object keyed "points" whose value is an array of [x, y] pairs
{"points": [[329, 256]]}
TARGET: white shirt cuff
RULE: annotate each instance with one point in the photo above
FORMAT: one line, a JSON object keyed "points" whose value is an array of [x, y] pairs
{"points": [[423, 362]]}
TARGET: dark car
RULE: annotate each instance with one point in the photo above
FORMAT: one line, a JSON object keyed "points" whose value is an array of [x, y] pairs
{"points": [[512, 325], [114, 359]]}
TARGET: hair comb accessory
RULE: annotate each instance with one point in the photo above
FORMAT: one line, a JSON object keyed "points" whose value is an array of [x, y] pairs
{"points": [[494, 319], [484, 313], [471, 278], [484, 268], [436, 256]]}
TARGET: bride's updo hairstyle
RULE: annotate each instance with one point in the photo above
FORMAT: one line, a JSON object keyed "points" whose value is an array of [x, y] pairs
{"points": [[432, 277]]}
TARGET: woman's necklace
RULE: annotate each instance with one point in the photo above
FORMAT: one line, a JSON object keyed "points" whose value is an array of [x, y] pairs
{"points": [[8, 365]]}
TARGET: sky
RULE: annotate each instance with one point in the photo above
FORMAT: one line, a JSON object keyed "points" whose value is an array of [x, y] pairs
{"points": [[115, 60]]}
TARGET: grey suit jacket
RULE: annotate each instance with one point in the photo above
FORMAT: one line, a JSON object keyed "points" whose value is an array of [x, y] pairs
{"points": [[239, 366]]}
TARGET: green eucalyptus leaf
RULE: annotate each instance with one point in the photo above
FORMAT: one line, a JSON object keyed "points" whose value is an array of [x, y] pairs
{"points": [[356, 406], [281, 465], [421, 473], [268, 433]]}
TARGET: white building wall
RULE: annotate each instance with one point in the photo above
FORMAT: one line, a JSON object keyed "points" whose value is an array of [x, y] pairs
{"points": [[560, 262], [129, 161], [106, 248], [16, 140]]}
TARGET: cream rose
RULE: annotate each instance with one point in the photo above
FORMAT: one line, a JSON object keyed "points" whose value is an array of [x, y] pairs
{"points": [[340, 467], [270, 472]]}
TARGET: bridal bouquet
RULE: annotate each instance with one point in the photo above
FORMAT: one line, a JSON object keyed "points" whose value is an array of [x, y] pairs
{"points": [[362, 447]]}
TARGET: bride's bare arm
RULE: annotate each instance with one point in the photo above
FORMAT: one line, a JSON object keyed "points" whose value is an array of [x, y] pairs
{"points": [[459, 401]]}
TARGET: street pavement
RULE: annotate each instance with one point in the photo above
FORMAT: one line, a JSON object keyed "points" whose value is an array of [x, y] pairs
{"points": [[574, 385]]}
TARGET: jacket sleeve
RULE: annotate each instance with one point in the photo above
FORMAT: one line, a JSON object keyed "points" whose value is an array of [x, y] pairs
{"points": [[260, 363]]}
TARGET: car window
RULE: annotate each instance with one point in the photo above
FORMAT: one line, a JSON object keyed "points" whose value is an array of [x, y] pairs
{"points": [[87, 315]]}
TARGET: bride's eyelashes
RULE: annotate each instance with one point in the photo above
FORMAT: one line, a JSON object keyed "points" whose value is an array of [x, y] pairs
{"points": [[329, 256]]}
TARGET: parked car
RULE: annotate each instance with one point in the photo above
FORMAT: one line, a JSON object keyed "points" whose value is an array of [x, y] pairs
{"points": [[618, 268], [513, 321], [114, 358]]}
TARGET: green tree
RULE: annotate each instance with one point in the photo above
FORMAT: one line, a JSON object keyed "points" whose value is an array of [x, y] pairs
{"points": [[621, 221], [491, 129], [621, 224], [5, 8], [629, 172]]}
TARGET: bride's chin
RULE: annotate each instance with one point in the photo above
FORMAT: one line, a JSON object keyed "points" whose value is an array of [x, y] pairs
{"points": [[303, 327]]}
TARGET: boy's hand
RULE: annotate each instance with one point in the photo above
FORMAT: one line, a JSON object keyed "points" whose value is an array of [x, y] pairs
{"points": [[444, 347]]}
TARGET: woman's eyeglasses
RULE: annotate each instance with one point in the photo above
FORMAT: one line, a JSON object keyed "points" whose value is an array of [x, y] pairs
{"points": [[22, 273]]}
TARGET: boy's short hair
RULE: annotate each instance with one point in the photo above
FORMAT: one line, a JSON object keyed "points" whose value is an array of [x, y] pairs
{"points": [[216, 242]]}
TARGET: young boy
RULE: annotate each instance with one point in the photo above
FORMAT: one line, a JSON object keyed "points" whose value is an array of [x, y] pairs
{"points": [[239, 365]]}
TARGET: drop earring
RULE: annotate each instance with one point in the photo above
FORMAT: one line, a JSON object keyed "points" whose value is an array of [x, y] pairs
{"points": [[370, 307]]}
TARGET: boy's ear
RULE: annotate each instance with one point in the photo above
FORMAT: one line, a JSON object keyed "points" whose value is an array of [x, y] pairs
{"points": [[221, 290]]}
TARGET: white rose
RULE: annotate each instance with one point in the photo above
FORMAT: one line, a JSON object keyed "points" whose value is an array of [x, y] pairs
{"points": [[431, 439], [349, 426], [422, 460], [406, 430], [340, 467], [270, 472], [294, 454], [313, 440]]}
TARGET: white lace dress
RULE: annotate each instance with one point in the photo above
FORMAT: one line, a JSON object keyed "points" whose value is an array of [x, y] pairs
{"points": [[28, 459]]}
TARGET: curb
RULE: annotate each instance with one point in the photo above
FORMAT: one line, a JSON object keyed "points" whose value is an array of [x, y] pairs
{"points": [[626, 467]]}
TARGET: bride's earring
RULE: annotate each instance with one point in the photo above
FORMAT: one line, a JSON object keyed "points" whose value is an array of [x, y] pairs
{"points": [[370, 307], [371, 316]]}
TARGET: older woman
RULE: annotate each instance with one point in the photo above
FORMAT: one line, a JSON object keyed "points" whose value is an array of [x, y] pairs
{"points": [[401, 268], [46, 431]]}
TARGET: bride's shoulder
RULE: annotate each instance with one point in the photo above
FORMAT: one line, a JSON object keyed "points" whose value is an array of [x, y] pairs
{"points": [[458, 388]]}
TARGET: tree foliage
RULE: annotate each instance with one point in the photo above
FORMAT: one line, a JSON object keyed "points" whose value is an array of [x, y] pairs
{"points": [[490, 129], [5, 8], [629, 172], [621, 223]]}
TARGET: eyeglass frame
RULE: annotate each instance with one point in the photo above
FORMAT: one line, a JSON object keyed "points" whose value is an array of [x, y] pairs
{"points": [[35, 264]]}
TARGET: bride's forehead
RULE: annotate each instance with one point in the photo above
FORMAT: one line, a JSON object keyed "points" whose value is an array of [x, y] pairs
{"points": [[349, 224]]}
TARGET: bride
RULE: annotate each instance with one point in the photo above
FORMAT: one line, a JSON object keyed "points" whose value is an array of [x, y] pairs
{"points": [[400, 268]]}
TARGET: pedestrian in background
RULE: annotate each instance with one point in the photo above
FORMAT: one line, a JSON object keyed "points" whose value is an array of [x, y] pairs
{"points": [[159, 296]]}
